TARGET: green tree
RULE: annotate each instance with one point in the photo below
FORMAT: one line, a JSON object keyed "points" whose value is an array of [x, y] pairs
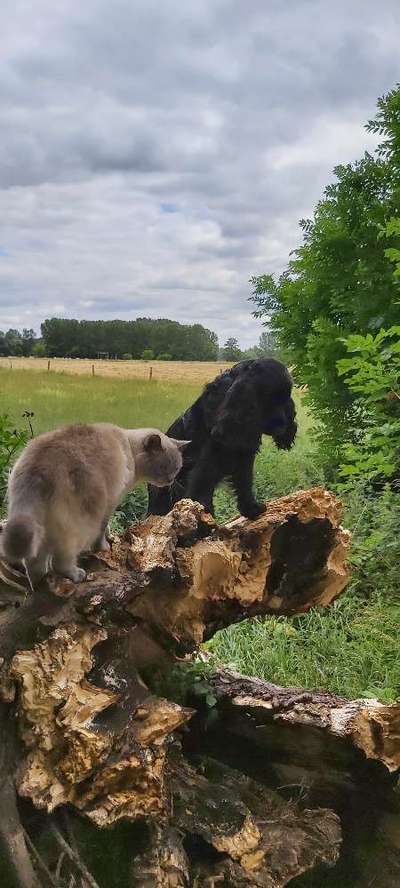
{"points": [[64, 337], [267, 344], [340, 281], [148, 354], [372, 373], [39, 350], [13, 342], [231, 350], [28, 342]]}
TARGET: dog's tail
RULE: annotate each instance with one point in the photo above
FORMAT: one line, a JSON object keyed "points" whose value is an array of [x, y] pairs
{"points": [[20, 538]]}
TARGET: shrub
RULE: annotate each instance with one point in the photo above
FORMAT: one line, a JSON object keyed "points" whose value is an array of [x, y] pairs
{"points": [[11, 441], [39, 350], [148, 354], [165, 356], [372, 372]]}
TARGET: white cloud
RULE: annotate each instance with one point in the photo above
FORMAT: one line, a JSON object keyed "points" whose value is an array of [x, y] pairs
{"points": [[155, 156], [328, 139]]}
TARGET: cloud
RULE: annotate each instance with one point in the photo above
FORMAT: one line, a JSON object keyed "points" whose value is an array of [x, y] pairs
{"points": [[155, 156]]}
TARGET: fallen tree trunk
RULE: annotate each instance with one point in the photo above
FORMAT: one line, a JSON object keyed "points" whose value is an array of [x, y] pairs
{"points": [[181, 577], [326, 751], [94, 736], [368, 725]]}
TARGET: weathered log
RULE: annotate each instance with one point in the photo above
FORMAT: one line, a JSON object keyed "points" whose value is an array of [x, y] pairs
{"points": [[12, 839], [248, 704], [327, 751], [181, 577], [167, 585], [95, 737], [236, 832], [110, 771]]}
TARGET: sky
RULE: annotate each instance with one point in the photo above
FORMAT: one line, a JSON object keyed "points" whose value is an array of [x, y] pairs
{"points": [[156, 155]]}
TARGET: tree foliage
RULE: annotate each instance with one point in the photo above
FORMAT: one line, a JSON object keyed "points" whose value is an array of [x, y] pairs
{"points": [[340, 281], [11, 441], [64, 337], [16, 343], [231, 351], [372, 373]]}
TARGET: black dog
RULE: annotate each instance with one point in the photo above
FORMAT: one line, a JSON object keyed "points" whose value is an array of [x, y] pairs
{"points": [[225, 426]]}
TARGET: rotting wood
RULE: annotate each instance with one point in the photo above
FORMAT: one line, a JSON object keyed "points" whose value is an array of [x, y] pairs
{"points": [[370, 726], [164, 864], [94, 736], [181, 577], [12, 838], [230, 830]]}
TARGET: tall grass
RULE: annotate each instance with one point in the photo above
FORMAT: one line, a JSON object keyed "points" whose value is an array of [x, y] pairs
{"points": [[351, 649], [57, 399]]}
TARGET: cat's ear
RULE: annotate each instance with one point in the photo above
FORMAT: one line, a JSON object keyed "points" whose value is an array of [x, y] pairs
{"points": [[153, 444], [181, 444]]}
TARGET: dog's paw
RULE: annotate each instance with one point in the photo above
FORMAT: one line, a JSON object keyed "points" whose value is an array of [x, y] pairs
{"points": [[254, 511]]}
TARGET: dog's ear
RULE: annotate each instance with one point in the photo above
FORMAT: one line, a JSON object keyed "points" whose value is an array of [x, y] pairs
{"points": [[238, 424], [285, 434]]}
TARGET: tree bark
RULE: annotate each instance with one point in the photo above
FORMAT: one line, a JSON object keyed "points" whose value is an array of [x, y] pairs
{"points": [[12, 839]]}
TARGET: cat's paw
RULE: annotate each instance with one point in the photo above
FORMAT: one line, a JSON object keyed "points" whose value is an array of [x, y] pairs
{"points": [[76, 574], [79, 575]]}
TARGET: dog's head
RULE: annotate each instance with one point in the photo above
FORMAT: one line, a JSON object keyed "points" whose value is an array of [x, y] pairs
{"points": [[274, 384], [281, 425], [258, 403]]}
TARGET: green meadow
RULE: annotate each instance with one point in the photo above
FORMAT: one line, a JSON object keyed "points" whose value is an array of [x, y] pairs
{"points": [[60, 398], [351, 648]]}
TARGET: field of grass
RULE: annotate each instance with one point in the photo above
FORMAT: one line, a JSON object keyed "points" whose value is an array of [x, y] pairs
{"points": [[57, 399], [352, 648], [172, 371]]}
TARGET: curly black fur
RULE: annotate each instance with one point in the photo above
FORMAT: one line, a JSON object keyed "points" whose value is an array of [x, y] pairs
{"points": [[225, 426]]}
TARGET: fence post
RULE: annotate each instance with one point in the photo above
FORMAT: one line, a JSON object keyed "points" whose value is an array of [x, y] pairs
{"points": [[92, 369], [151, 373], [48, 366]]}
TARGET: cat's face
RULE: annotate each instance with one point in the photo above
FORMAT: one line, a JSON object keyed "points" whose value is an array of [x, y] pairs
{"points": [[162, 459]]}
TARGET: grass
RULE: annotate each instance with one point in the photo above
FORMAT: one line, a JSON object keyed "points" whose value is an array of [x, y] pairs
{"points": [[352, 648], [57, 399]]}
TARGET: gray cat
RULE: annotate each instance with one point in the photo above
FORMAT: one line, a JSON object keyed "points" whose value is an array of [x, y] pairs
{"points": [[66, 484]]}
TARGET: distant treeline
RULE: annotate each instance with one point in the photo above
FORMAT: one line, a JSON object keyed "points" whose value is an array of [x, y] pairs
{"points": [[141, 338], [144, 338], [15, 342]]}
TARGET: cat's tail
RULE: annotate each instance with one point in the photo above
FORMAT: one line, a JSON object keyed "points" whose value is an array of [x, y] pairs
{"points": [[20, 538]]}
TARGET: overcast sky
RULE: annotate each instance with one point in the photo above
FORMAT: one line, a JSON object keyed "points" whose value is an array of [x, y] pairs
{"points": [[155, 155]]}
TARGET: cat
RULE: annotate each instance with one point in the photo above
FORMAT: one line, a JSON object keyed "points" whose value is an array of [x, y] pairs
{"points": [[67, 483]]}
